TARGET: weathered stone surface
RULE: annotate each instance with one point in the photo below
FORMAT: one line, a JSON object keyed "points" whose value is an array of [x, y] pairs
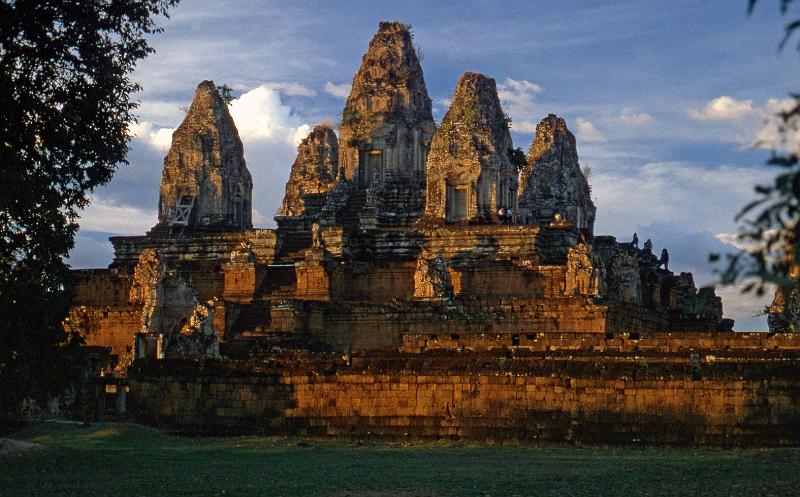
{"points": [[171, 308], [552, 183], [580, 278], [314, 173], [205, 181], [469, 174], [432, 278], [387, 126]]}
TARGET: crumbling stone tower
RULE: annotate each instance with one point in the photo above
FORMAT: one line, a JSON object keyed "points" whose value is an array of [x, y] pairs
{"points": [[387, 125], [469, 173], [552, 185], [314, 173], [205, 182]]}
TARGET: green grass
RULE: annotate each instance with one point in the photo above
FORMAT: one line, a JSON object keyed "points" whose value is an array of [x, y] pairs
{"points": [[131, 460]]}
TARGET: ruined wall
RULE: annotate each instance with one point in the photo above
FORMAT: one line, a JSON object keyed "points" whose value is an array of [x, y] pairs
{"points": [[372, 326], [101, 313], [469, 173], [552, 181], [658, 346], [205, 181], [476, 397], [196, 249]]}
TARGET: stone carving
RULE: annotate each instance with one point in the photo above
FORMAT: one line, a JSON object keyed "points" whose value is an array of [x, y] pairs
{"points": [[170, 307], [470, 175], [146, 275], [387, 122], [316, 236], [432, 278], [315, 172], [243, 254], [552, 181], [580, 277], [619, 275], [196, 338], [205, 181]]}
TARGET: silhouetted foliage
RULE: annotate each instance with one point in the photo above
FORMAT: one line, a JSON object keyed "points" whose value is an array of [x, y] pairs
{"points": [[226, 92], [771, 223], [65, 110], [517, 157]]}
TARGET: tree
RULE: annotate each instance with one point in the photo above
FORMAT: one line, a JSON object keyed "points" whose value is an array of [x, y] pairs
{"points": [[65, 108], [771, 223]]}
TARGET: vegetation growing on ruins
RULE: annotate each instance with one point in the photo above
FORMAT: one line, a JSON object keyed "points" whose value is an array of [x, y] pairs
{"points": [[65, 116], [127, 460]]}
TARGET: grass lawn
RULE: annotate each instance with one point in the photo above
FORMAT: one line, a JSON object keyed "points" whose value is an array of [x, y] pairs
{"points": [[130, 460]]}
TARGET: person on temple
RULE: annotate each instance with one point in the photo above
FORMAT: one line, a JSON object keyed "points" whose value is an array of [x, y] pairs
{"points": [[635, 241], [501, 214], [509, 215], [664, 259]]}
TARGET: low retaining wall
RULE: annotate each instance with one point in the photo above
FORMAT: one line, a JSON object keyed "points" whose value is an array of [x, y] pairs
{"points": [[479, 397]]}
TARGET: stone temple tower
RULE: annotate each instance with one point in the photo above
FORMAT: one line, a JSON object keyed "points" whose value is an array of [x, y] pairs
{"points": [[315, 172], [387, 124], [470, 175], [205, 181], [552, 184]]}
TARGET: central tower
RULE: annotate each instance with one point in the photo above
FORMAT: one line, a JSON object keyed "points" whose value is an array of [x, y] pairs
{"points": [[387, 125]]}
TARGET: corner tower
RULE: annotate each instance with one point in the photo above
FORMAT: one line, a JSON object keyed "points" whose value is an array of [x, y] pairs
{"points": [[205, 181], [315, 172], [552, 183]]}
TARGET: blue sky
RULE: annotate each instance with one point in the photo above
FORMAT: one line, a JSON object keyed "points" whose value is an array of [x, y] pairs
{"points": [[667, 100]]}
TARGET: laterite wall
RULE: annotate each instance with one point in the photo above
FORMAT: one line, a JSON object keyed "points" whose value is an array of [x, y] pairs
{"points": [[480, 397]]}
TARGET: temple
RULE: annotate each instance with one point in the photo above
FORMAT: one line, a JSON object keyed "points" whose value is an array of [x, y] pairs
{"points": [[396, 237]]}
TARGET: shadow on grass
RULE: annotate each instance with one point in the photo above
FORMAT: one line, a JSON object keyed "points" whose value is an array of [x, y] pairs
{"points": [[133, 460]]}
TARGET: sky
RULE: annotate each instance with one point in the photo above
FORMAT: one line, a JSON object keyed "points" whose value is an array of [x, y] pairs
{"points": [[673, 103]]}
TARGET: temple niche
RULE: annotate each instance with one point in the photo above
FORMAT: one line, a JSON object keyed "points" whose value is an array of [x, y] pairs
{"points": [[552, 185], [387, 125], [315, 172], [205, 181], [469, 173]]}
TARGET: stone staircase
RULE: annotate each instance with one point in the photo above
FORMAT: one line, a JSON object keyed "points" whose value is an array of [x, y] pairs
{"points": [[401, 205], [357, 213]]}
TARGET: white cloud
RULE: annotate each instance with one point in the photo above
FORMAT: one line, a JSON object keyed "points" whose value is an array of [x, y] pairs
{"points": [[518, 98], [339, 91], [746, 308], [443, 101], [89, 253], [773, 134], [261, 115], [631, 119], [588, 132], [292, 89], [524, 127], [701, 198], [106, 216], [722, 108], [158, 138], [161, 111]]}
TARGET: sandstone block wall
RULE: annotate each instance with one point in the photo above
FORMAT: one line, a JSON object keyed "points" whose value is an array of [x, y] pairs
{"points": [[475, 397]]}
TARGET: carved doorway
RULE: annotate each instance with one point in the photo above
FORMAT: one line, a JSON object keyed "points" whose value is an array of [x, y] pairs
{"points": [[457, 203]]}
